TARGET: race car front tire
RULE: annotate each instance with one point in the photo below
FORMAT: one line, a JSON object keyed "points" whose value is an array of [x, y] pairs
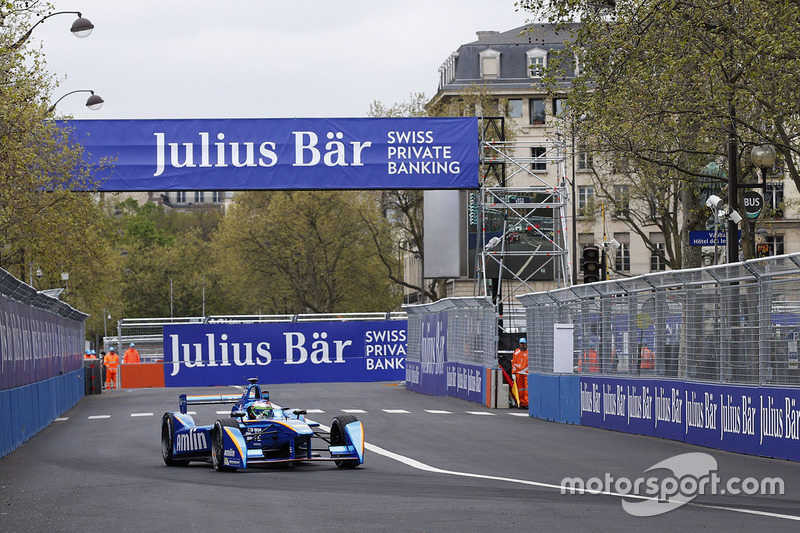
{"points": [[338, 438], [218, 446], [168, 441]]}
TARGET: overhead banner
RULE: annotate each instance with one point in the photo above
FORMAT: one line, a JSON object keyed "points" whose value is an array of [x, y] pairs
{"points": [[281, 154], [287, 352]]}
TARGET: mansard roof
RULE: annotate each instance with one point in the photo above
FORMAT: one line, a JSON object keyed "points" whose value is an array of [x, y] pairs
{"points": [[462, 68]]}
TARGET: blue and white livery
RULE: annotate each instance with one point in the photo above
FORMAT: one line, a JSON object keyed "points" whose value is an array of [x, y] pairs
{"points": [[244, 440]]}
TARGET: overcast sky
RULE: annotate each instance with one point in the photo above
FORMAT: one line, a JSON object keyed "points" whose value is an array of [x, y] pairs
{"points": [[259, 58]]}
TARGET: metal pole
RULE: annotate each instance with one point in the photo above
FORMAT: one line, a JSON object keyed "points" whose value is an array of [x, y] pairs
{"points": [[574, 216], [716, 234], [733, 190]]}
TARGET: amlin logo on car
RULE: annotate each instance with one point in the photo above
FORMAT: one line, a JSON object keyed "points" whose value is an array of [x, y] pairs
{"points": [[692, 474]]}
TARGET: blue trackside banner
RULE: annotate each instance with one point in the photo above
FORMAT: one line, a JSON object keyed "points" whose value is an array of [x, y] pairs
{"points": [[318, 352], [287, 154], [753, 420], [465, 381], [427, 376]]}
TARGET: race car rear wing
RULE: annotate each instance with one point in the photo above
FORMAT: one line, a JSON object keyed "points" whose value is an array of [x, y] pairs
{"points": [[210, 399]]}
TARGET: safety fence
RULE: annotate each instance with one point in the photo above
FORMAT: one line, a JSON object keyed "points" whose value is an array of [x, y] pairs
{"points": [[147, 334], [452, 349], [41, 349], [227, 349], [736, 323]]}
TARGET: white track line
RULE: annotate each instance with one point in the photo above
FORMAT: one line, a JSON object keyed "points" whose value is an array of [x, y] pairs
{"points": [[426, 468]]}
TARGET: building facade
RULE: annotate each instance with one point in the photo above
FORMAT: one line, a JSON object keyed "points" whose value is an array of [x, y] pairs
{"points": [[510, 66]]}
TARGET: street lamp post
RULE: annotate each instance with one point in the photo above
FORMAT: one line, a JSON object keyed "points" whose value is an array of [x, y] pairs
{"points": [[763, 157], [94, 102], [80, 28]]}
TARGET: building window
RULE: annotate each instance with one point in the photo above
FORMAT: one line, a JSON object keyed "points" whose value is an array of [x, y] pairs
{"points": [[538, 113], [622, 261], [490, 64], [585, 199], [216, 197], [658, 252], [537, 62], [577, 65], [585, 161], [559, 106], [621, 200], [198, 197], [774, 198], [775, 243], [538, 154], [654, 204], [515, 108], [180, 197]]}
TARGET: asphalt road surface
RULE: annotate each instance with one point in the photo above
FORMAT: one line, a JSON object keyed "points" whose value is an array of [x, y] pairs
{"points": [[432, 464]]}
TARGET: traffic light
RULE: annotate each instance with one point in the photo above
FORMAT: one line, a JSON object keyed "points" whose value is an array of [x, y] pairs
{"points": [[591, 264]]}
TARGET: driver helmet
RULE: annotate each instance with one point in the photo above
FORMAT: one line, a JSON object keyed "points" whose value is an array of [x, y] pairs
{"points": [[261, 409]]}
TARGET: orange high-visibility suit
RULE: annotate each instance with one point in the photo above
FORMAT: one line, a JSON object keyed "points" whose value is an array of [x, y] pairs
{"points": [[590, 356], [111, 362], [647, 359], [131, 356], [519, 368]]}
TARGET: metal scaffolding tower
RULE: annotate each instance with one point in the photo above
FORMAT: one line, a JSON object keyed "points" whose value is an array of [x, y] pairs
{"points": [[521, 232]]}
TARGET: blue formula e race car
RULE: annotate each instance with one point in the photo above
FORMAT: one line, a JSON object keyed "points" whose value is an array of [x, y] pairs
{"points": [[257, 433]]}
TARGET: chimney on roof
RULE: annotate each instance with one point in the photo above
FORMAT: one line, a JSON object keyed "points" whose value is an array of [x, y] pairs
{"points": [[484, 34]]}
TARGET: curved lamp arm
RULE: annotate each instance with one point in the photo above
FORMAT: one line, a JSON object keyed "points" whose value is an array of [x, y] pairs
{"points": [[80, 28], [94, 102]]}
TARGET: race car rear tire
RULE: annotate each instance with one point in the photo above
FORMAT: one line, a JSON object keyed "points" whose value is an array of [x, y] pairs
{"points": [[338, 438], [217, 445], [168, 441]]}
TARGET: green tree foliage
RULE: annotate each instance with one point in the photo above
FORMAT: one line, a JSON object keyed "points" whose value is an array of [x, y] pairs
{"points": [[164, 261], [666, 83], [299, 252], [46, 228]]}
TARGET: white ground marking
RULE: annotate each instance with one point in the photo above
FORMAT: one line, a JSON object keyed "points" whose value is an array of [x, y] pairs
{"points": [[413, 463], [315, 411], [526, 415], [141, 414], [480, 413], [61, 419], [353, 411], [438, 412], [395, 411], [223, 412], [97, 417]]}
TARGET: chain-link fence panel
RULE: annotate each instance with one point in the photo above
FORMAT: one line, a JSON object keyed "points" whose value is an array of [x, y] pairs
{"points": [[471, 330], [736, 323], [148, 333]]}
